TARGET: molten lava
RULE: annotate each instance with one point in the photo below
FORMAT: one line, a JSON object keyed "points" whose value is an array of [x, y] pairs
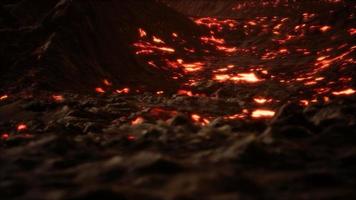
{"points": [[345, 92], [21, 127], [3, 97], [137, 121], [260, 113]]}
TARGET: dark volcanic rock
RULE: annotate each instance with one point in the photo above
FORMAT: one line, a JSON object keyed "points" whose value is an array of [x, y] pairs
{"points": [[74, 45]]}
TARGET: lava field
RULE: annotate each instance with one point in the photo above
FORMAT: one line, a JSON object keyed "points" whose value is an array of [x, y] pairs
{"points": [[177, 99]]}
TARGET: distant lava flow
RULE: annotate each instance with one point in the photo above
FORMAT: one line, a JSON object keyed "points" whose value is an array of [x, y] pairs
{"points": [[264, 61]]}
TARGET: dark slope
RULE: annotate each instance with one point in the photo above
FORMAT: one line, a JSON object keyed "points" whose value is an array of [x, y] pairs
{"points": [[248, 8], [76, 44]]}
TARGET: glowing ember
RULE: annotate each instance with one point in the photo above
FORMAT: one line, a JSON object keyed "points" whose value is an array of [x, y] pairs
{"points": [[5, 136], [58, 98], [148, 48], [3, 97], [261, 100], [212, 40], [304, 102], [137, 121], [242, 77], [160, 92], [345, 92], [131, 138], [236, 116], [107, 82], [21, 127], [216, 24], [185, 92], [198, 119], [227, 49], [158, 40], [123, 91], [187, 67], [142, 32], [99, 90], [325, 28], [263, 114], [352, 31]]}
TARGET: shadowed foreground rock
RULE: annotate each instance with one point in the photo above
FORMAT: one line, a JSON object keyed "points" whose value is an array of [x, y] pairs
{"points": [[79, 149], [74, 45]]}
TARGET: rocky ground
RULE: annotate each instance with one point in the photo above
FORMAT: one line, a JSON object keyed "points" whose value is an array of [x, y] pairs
{"points": [[269, 114], [82, 148]]}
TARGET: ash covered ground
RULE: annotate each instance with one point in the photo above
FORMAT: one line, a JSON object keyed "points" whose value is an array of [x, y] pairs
{"points": [[177, 99]]}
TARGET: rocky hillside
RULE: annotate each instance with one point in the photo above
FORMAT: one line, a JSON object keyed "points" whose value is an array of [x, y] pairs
{"points": [[74, 45]]}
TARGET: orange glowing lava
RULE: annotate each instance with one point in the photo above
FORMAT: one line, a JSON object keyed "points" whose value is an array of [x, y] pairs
{"points": [[352, 31], [142, 32], [137, 121], [345, 92], [3, 97], [262, 100], [99, 90], [242, 77], [21, 127], [107, 82], [325, 28], [201, 120], [212, 40], [5, 136], [58, 98], [260, 113], [185, 93], [186, 67], [158, 40], [123, 91]]}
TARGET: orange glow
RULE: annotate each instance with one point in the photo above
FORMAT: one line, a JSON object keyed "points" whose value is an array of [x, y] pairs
{"points": [[123, 91], [21, 127], [227, 49], [304, 102], [158, 40], [185, 92], [352, 31], [242, 77], [283, 51], [99, 90], [236, 116], [131, 138], [216, 24], [107, 82], [345, 92], [198, 119], [262, 100], [187, 67], [58, 98], [5, 136], [263, 114], [142, 32], [325, 28], [193, 67], [137, 121], [326, 99], [148, 48], [246, 77], [160, 92], [213, 40], [3, 97]]}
